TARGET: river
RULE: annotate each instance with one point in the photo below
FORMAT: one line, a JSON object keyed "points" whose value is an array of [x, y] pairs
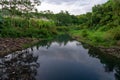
{"points": [[59, 59]]}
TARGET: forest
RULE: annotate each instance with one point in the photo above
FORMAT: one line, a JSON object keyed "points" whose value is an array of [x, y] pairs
{"points": [[43, 45], [101, 27]]}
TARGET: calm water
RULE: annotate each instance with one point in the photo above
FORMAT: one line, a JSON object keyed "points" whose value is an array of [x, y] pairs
{"points": [[59, 60]]}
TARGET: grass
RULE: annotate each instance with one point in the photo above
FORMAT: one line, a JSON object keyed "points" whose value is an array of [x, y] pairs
{"points": [[97, 37]]}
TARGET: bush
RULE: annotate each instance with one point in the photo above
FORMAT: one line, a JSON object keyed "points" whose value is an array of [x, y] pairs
{"points": [[84, 33], [113, 34], [21, 27], [103, 28]]}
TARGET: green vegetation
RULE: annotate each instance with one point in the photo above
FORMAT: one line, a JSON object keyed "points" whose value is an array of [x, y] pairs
{"points": [[95, 37], [101, 27], [21, 28], [17, 22]]}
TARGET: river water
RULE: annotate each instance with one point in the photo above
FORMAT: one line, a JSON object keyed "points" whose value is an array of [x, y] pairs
{"points": [[61, 59]]}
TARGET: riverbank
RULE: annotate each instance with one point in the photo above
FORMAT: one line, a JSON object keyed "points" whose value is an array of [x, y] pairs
{"points": [[8, 45], [99, 39], [112, 50]]}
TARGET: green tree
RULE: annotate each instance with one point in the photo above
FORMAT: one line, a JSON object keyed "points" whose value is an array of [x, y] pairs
{"points": [[63, 18]]}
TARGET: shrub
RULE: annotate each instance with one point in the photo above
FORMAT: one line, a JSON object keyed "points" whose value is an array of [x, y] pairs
{"points": [[113, 34], [84, 33], [21, 27]]}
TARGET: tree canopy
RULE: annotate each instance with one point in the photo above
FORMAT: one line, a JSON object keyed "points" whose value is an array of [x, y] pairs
{"points": [[22, 6]]}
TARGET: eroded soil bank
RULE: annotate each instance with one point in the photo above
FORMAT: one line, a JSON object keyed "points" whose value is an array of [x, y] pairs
{"points": [[12, 44], [115, 51]]}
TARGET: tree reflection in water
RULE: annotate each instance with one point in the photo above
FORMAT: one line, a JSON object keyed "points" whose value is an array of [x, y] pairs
{"points": [[19, 66], [23, 65], [111, 63]]}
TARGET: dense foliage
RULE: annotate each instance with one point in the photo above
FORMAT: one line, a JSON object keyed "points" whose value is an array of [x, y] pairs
{"points": [[20, 18], [101, 26], [102, 15], [34, 24], [27, 28]]}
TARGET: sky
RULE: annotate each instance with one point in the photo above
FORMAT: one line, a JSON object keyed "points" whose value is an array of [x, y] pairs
{"points": [[75, 7]]}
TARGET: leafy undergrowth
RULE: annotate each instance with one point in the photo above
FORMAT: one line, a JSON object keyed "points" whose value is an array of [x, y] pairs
{"points": [[33, 28], [98, 37]]}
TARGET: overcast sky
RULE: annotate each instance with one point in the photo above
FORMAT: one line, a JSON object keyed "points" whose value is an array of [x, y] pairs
{"points": [[73, 6]]}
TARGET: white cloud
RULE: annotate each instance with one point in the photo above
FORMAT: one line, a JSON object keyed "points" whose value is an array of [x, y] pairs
{"points": [[73, 6]]}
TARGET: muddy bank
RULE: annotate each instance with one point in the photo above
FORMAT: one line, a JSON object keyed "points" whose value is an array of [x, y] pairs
{"points": [[115, 51], [13, 44]]}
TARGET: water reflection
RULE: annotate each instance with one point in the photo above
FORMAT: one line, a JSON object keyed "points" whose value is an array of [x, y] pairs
{"points": [[111, 63], [61, 39], [59, 59], [19, 66], [73, 60]]}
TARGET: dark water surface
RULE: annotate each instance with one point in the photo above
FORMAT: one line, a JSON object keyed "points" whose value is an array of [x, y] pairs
{"points": [[59, 60]]}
